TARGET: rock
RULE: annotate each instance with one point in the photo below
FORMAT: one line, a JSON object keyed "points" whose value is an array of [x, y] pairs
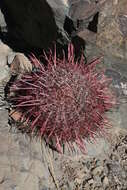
{"points": [[98, 148], [105, 181], [87, 36], [83, 12], [97, 171], [91, 181], [3, 26], [4, 52], [80, 10], [19, 167], [16, 116], [30, 180], [35, 24], [97, 181], [4, 69], [112, 29], [20, 64], [4, 74]]}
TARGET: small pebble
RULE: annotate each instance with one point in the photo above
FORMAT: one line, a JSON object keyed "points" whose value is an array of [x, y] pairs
{"points": [[91, 181], [105, 181], [98, 170]]}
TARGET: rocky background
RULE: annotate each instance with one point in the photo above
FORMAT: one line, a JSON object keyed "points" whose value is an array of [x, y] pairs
{"points": [[100, 28]]}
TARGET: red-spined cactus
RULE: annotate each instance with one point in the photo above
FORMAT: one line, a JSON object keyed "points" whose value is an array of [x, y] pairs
{"points": [[65, 101]]}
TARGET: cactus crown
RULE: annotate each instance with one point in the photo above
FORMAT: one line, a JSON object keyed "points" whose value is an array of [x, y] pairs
{"points": [[65, 102]]}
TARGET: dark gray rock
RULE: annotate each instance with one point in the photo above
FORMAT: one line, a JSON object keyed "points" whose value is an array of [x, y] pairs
{"points": [[85, 13], [35, 24]]}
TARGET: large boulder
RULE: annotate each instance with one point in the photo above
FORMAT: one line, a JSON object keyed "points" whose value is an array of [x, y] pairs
{"points": [[112, 29], [84, 13], [35, 24], [5, 51]]}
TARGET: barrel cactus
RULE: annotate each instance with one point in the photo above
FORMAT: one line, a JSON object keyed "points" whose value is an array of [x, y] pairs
{"points": [[65, 101]]}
